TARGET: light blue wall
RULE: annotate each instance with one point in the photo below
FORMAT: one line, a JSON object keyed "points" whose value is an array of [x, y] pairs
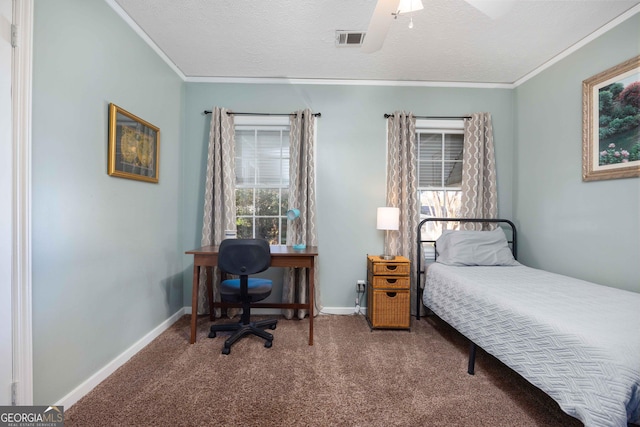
{"points": [[107, 264], [351, 150], [589, 230]]}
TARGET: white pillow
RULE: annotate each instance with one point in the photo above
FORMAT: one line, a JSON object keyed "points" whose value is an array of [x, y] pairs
{"points": [[474, 248]]}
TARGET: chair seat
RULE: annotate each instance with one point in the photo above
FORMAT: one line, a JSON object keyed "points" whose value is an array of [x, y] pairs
{"points": [[258, 289]]}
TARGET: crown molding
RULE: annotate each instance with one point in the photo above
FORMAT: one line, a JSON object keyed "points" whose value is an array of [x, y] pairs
{"points": [[347, 82], [135, 27]]}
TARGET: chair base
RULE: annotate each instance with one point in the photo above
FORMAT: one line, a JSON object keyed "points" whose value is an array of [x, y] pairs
{"points": [[242, 329]]}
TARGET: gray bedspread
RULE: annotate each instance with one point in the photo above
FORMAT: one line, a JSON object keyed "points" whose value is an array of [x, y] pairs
{"points": [[577, 341]]}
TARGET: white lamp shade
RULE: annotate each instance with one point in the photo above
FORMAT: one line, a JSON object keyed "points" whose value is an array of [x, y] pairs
{"points": [[388, 218]]}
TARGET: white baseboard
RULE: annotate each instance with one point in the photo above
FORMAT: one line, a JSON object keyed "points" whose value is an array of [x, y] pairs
{"points": [[84, 388], [325, 310], [342, 310]]}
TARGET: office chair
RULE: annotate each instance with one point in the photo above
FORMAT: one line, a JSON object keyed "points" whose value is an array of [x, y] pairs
{"points": [[244, 257]]}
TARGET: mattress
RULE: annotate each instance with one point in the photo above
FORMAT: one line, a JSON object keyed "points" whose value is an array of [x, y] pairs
{"points": [[577, 341]]}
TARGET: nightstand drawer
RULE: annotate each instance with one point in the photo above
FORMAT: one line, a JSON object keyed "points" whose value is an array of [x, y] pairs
{"points": [[389, 282], [388, 268], [390, 309]]}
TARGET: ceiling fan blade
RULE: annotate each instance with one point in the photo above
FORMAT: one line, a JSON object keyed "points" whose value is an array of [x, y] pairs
{"points": [[379, 25], [492, 8]]}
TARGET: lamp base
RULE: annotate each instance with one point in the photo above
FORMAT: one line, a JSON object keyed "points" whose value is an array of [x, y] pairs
{"points": [[388, 257]]}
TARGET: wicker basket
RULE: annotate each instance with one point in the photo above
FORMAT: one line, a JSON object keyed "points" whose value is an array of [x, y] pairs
{"points": [[377, 265], [389, 282], [390, 309]]}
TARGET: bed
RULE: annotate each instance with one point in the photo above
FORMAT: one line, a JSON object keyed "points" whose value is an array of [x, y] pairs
{"points": [[577, 341]]}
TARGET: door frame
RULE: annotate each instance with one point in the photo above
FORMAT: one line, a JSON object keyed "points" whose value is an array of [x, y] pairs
{"points": [[21, 285]]}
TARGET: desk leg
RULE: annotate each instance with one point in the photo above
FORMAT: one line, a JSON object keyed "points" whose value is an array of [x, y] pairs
{"points": [[310, 281], [210, 273], [194, 303]]}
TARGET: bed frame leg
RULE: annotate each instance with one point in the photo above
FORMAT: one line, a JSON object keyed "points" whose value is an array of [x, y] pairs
{"points": [[472, 359]]}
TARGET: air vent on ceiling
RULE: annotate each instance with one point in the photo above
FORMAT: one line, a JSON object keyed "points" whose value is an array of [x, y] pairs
{"points": [[349, 38]]}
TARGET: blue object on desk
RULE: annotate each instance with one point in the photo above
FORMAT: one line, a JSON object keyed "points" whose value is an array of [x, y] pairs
{"points": [[293, 214]]}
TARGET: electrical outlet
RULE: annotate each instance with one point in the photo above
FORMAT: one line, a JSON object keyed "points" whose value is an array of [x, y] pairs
{"points": [[360, 285]]}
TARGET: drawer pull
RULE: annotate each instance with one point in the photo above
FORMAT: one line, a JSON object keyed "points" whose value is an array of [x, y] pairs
{"points": [[392, 294], [392, 280], [392, 267]]}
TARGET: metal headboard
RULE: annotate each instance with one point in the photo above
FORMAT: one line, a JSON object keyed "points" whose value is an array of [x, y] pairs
{"points": [[512, 241]]}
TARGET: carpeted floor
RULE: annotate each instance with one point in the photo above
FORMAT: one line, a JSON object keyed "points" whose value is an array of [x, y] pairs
{"points": [[349, 377]]}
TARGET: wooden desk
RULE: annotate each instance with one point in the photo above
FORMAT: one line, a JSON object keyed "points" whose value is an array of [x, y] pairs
{"points": [[281, 256]]}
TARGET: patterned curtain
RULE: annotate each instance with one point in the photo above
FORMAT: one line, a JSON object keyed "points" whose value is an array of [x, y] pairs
{"points": [[402, 188], [479, 191], [219, 196], [302, 196]]}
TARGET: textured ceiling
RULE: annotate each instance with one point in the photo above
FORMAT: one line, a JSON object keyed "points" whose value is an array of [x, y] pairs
{"points": [[293, 39]]}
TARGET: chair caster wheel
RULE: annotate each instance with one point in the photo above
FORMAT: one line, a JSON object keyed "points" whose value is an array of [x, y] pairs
{"points": [[226, 350], [272, 327], [268, 344], [212, 334]]}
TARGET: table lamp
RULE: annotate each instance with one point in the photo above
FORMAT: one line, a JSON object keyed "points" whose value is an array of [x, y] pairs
{"points": [[293, 214], [388, 219]]}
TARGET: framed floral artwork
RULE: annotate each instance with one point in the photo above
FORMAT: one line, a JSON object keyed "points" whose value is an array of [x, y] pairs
{"points": [[134, 146], [611, 123]]}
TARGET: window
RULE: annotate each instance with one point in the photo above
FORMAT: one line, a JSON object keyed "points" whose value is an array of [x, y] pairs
{"points": [[262, 177], [440, 145]]}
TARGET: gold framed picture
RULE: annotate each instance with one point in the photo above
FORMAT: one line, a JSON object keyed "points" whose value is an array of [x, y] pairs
{"points": [[134, 146], [611, 123]]}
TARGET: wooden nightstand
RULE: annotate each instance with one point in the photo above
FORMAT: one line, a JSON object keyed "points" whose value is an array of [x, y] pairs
{"points": [[388, 293]]}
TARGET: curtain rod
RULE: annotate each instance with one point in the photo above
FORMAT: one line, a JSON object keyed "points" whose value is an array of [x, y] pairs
{"points": [[386, 116], [262, 114]]}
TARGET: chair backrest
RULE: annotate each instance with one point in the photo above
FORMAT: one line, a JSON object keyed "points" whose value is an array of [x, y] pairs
{"points": [[244, 256]]}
